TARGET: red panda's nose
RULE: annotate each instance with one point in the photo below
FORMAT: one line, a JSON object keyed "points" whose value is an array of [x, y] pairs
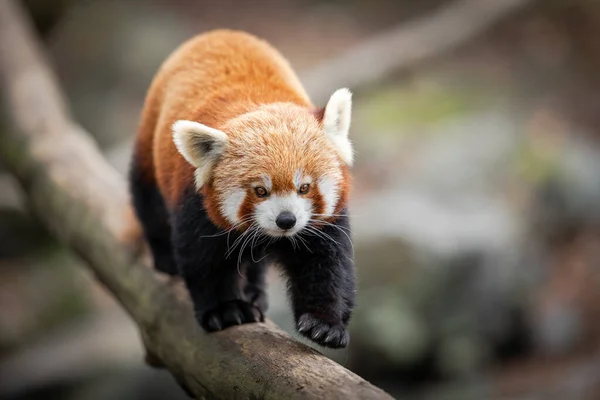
{"points": [[286, 220]]}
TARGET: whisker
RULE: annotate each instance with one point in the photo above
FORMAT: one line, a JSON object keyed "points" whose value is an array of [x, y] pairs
{"points": [[243, 234], [262, 239], [253, 244], [293, 241], [223, 232], [248, 239], [265, 238], [239, 240], [314, 232], [344, 232], [323, 234], [235, 243], [320, 221], [338, 215], [262, 258], [271, 240], [228, 232], [301, 239], [244, 220]]}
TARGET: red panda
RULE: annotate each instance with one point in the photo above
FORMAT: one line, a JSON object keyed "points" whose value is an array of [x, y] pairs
{"points": [[233, 169]]}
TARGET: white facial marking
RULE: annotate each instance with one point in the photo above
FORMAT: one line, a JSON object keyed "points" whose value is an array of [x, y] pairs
{"points": [[267, 181], [230, 207], [268, 210], [330, 191], [300, 179]]}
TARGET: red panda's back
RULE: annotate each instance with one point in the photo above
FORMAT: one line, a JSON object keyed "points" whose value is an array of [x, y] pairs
{"points": [[210, 79]]}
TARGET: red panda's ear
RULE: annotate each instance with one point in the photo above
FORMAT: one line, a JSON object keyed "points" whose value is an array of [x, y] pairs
{"points": [[200, 145], [336, 123], [318, 113]]}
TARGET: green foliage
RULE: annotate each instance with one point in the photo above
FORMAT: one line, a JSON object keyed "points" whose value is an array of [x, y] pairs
{"points": [[415, 106]]}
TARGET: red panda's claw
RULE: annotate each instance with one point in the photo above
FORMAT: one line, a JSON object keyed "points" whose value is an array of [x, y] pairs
{"points": [[326, 334], [230, 313], [213, 324]]}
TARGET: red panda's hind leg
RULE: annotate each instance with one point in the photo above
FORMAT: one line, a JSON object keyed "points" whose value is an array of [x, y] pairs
{"points": [[151, 211]]}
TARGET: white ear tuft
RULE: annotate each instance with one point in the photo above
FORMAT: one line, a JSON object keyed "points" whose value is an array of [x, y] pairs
{"points": [[200, 145], [336, 121]]}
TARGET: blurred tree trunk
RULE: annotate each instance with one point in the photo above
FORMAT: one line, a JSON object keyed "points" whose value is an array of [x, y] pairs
{"points": [[407, 45]]}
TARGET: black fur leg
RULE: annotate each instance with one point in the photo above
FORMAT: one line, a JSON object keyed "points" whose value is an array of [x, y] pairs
{"points": [[162, 255], [212, 279], [255, 290], [322, 284], [152, 214]]}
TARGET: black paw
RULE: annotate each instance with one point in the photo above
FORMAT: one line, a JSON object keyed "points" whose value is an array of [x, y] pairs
{"points": [[257, 297], [235, 312], [323, 333]]}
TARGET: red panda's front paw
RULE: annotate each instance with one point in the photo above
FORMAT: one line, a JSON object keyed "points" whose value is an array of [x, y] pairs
{"points": [[230, 313], [321, 332]]}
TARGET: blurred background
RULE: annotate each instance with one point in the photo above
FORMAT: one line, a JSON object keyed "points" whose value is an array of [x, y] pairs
{"points": [[476, 207]]}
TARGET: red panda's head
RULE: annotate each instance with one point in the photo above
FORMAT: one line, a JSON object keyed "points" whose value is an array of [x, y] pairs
{"points": [[278, 168]]}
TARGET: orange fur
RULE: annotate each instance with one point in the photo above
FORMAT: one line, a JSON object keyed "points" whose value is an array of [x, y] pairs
{"points": [[234, 82]]}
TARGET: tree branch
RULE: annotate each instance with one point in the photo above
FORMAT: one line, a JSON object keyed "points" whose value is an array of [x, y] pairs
{"points": [[407, 45], [85, 203]]}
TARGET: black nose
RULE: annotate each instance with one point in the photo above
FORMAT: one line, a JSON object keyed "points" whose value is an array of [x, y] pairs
{"points": [[286, 220]]}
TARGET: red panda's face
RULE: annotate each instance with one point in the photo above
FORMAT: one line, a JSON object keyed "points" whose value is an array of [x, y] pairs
{"points": [[278, 173], [276, 170]]}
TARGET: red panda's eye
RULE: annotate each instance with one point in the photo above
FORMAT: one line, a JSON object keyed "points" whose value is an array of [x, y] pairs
{"points": [[304, 188], [261, 191]]}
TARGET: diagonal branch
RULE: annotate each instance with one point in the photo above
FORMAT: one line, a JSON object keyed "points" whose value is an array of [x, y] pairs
{"points": [[84, 202], [407, 45]]}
